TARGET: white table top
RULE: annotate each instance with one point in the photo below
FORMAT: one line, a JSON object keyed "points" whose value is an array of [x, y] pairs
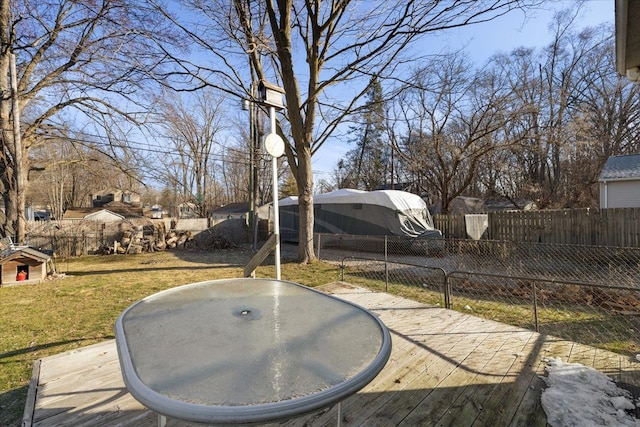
{"points": [[247, 350]]}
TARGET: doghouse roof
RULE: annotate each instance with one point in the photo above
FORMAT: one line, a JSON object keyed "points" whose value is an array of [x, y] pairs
{"points": [[26, 255]]}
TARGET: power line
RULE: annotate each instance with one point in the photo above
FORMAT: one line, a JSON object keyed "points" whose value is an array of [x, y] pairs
{"points": [[145, 148]]}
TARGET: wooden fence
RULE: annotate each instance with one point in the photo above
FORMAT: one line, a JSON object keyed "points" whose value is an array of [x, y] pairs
{"points": [[592, 227]]}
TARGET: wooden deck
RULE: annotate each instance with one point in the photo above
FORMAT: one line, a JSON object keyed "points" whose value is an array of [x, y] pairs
{"points": [[446, 369]]}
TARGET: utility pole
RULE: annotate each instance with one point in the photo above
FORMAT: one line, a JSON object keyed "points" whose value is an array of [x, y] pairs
{"points": [[254, 151], [393, 187]]}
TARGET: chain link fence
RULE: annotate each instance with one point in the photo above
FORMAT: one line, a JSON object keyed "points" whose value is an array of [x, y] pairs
{"points": [[589, 295], [600, 265], [405, 279]]}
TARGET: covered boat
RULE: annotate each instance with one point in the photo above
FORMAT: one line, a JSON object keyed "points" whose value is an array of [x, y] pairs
{"points": [[357, 212]]}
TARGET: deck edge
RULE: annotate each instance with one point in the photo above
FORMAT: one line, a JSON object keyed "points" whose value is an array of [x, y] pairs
{"points": [[30, 405]]}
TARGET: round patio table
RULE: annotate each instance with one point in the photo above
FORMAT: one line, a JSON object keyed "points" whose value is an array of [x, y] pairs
{"points": [[238, 351]]}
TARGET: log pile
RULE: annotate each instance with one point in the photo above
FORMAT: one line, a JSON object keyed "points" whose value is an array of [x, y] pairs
{"points": [[149, 237], [136, 238]]}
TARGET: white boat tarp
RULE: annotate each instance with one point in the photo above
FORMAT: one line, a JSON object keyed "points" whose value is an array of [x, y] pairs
{"points": [[347, 211]]}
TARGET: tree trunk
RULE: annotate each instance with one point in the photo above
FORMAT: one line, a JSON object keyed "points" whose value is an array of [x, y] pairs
{"points": [[5, 121], [20, 159], [305, 206]]}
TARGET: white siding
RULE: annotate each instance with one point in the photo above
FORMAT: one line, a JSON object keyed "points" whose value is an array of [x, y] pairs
{"points": [[620, 194], [103, 216]]}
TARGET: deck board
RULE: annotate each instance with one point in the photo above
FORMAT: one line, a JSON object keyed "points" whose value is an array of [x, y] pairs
{"points": [[446, 369]]}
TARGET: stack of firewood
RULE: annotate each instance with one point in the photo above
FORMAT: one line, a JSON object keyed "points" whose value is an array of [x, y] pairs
{"points": [[150, 237]]}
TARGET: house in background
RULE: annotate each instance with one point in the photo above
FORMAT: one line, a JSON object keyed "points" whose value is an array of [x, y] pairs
{"points": [[111, 196], [231, 210], [620, 176], [619, 182], [188, 210]]}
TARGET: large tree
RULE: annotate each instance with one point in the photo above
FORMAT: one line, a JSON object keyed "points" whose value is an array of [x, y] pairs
{"points": [[79, 65], [532, 124], [323, 53], [606, 120], [65, 172], [576, 112], [455, 116], [193, 129]]}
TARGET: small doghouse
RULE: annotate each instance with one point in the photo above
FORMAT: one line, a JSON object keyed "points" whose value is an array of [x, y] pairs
{"points": [[23, 265]]}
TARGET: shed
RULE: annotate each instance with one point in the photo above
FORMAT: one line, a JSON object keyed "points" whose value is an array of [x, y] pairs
{"points": [[23, 265], [619, 182]]}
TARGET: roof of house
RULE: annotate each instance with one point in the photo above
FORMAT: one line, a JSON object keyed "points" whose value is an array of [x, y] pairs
{"points": [[104, 215], [232, 208], [500, 205], [78, 213], [113, 190], [25, 253], [621, 168], [117, 208]]}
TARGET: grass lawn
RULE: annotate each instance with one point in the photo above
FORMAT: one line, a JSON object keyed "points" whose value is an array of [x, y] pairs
{"points": [[80, 309]]}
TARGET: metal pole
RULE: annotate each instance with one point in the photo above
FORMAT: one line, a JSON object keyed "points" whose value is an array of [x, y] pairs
{"points": [[276, 216], [386, 264], [535, 306], [447, 292]]}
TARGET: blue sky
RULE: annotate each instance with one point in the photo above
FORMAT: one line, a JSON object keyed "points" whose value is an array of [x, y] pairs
{"points": [[517, 29], [482, 41]]}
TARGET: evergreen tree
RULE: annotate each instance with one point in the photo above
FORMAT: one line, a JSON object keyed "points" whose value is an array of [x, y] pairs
{"points": [[366, 166]]}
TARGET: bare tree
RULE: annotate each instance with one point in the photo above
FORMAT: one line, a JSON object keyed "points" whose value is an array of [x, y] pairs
{"points": [[605, 118], [65, 174], [575, 113], [193, 128], [322, 54], [77, 64], [455, 117]]}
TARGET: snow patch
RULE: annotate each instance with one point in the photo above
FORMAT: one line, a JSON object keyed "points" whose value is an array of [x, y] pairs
{"points": [[577, 395]]}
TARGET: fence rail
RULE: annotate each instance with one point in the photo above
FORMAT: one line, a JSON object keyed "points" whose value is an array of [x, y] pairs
{"points": [[585, 294], [595, 227], [606, 317], [609, 266]]}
